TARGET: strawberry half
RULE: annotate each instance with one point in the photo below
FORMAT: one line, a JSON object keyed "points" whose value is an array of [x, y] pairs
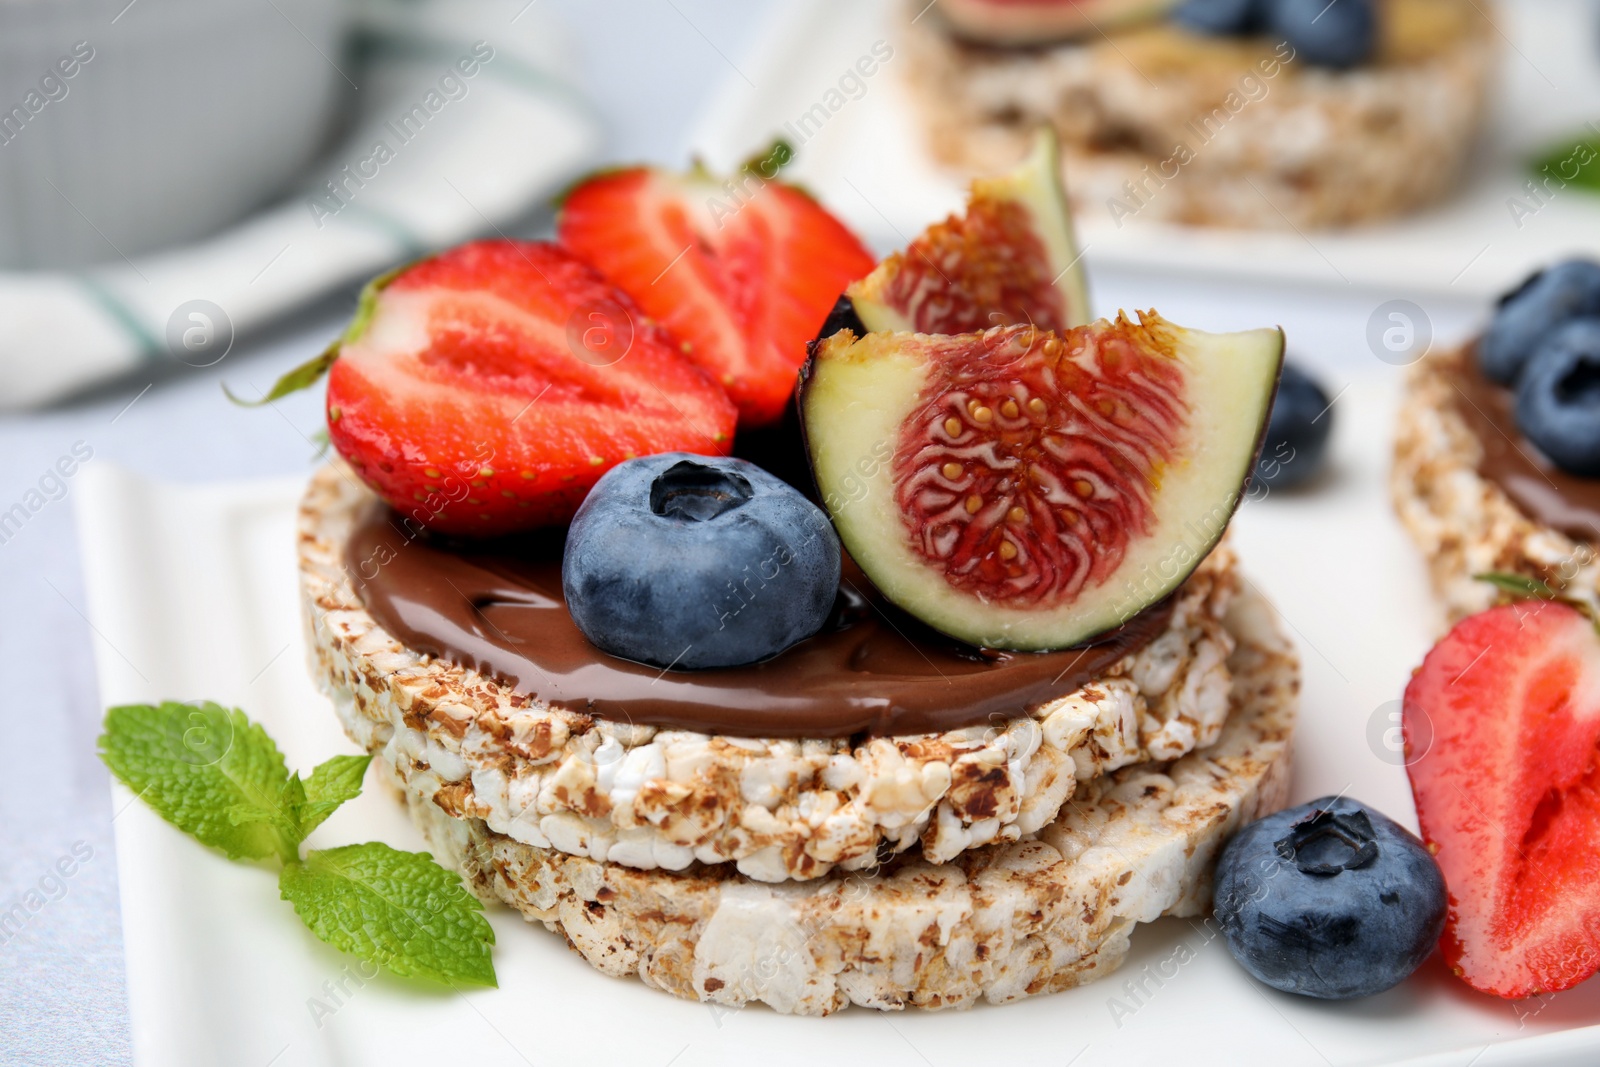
{"points": [[1508, 793], [743, 272], [485, 390]]}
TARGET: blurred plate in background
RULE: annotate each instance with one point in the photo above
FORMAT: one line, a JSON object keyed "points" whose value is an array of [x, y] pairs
{"points": [[867, 162]]}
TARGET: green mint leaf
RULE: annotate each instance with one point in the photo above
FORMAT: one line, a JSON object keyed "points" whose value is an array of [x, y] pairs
{"points": [[279, 819], [331, 784], [209, 771], [1518, 585], [1576, 160], [280, 815], [293, 802], [337, 779], [400, 910]]}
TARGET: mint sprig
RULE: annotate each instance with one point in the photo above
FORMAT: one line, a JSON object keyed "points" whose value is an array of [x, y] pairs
{"points": [[1575, 161], [332, 783], [208, 771], [216, 775], [399, 909]]}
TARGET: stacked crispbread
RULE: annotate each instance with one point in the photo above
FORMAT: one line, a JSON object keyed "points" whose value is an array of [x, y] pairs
{"points": [[932, 870]]}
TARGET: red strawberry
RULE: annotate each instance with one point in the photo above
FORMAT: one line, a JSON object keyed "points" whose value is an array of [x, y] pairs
{"points": [[486, 389], [1508, 793], [743, 272]]}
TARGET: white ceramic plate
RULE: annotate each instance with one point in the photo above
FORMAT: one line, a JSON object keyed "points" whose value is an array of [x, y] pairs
{"points": [[867, 162], [192, 593]]}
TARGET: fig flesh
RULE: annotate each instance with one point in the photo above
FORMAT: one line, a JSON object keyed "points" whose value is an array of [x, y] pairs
{"points": [[1010, 258], [1030, 489]]}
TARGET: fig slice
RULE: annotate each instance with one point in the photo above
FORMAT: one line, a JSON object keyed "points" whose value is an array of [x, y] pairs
{"points": [[1028, 489], [1025, 22], [1010, 259]]}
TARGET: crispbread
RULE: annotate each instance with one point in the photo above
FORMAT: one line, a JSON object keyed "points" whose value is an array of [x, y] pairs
{"points": [[780, 810], [1297, 148], [1464, 523], [998, 923]]}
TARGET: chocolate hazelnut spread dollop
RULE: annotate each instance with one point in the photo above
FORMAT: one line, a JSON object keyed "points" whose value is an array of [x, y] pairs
{"points": [[1541, 490], [498, 608]]}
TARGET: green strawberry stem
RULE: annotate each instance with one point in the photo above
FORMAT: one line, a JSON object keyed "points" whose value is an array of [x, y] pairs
{"points": [[1523, 587], [311, 371]]}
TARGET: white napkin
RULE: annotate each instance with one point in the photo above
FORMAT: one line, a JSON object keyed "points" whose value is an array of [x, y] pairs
{"points": [[467, 99]]}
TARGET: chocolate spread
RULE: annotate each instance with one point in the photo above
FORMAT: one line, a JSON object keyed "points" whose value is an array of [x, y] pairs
{"points": [[1544, 492], [498, 608]]}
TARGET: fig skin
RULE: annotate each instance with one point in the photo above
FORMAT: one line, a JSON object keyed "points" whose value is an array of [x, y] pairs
{"points": [[780, 446]]}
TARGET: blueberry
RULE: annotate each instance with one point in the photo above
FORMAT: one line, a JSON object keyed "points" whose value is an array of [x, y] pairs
{"points": [[1558, 397], [693, 561], [1221, 16], [1296, 446], [1330, 899], [1532, 312], [1326, 33]]}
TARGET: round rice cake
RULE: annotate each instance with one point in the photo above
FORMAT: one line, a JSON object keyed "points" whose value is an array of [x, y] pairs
{"points": [[1464, 523], [997, 923], [1235, 132], [779, 810]]}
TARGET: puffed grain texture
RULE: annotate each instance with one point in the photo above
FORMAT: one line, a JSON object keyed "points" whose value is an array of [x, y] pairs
{"points": [[1463, 523], [996, 924], [1163, 126], [779, 809]]}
